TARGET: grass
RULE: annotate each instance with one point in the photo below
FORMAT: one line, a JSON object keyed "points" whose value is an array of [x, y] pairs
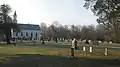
{"points": [[59, 49], [55, 55]]}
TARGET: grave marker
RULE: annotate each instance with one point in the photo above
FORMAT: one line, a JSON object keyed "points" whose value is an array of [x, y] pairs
{"points": [[84, 49], [106, 51], [90, 49]]}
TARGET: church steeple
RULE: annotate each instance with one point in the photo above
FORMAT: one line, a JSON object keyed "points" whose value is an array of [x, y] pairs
{"points": [[15, 17]]}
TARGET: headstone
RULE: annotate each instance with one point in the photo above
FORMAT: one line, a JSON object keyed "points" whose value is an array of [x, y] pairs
{"points": [[99, 42], [89, 41], [90, 49], [84, 49], [110, 42], [106, 51]]}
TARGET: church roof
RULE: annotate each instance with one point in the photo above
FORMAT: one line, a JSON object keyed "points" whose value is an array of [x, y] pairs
{"points": [[28, 27]]}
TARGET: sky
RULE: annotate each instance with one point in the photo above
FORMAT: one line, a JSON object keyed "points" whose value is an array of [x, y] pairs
{"points": [[64, 11]]}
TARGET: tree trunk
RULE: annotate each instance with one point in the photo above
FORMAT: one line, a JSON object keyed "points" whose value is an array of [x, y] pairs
{"points": [[7, 39], [64, 39], [68, 40], [56, 39], [117, 37], [43, 41]]}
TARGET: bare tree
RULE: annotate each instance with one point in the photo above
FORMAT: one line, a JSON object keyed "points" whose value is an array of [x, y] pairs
{"points": [[43, 28], [101, 32], [88, 32]]}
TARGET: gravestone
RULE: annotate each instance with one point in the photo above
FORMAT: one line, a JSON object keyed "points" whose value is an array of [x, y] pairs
{"points": [[90, 49], [106, 51], [99, 42], [84, 49], [110, 42]]}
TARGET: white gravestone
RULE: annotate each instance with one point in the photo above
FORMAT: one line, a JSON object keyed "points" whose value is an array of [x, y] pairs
{"points": [[110, 42], [83, 48], [106, 51], [89, 41], [90, 49], [99, 42]]}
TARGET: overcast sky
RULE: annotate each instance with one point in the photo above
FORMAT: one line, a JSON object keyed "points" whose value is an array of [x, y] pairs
{"points": [[63, 11]]}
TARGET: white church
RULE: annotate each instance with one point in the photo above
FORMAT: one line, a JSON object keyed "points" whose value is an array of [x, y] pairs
{"points": [[26, 31]]}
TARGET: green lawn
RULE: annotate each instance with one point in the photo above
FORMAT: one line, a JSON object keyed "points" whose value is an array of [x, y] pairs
{"points": [[56, 55], [59, 49]]}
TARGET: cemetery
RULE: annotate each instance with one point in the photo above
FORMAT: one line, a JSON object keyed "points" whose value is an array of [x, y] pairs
{"points": [[58, 53], [59, 33]]}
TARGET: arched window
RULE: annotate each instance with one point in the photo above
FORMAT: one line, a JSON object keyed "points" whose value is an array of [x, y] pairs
{"points": [[16, 33], [31, 34], [26, 33], [21, 33], [36, 34]]}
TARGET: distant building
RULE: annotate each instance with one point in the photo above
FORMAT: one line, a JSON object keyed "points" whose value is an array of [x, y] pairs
{"points": [[27, 31]]}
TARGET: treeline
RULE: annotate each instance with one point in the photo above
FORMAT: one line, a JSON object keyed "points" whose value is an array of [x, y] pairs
{"points": [[60, 32], [108, 14]]}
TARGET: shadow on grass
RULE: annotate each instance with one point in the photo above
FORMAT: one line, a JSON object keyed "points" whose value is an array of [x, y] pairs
{"points": [[37, 60]]}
